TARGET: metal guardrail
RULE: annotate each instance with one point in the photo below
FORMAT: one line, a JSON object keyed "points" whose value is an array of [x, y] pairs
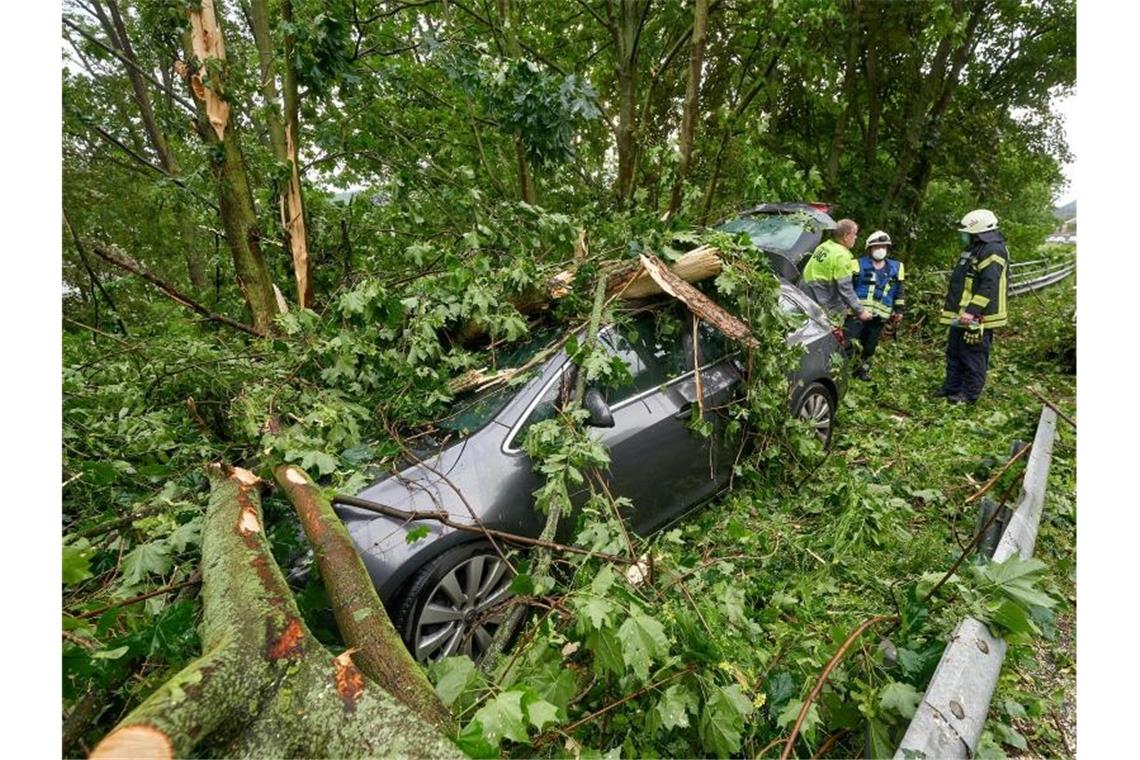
{"points": [[1027, 276], [948, 722]]}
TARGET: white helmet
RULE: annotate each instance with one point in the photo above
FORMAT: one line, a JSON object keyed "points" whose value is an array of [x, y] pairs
{"points": [[978, 220], [877, 238]]}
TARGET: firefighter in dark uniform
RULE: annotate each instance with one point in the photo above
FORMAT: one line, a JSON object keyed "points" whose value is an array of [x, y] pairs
{"points": [[975, 306], [879, 287]]}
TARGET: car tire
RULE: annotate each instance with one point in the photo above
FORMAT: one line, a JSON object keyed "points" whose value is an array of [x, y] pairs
{"points": [[816, 406], [447, 608]]}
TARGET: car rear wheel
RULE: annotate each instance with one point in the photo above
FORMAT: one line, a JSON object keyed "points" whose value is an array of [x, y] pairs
{"points": [[817, 408], [453, 604]]}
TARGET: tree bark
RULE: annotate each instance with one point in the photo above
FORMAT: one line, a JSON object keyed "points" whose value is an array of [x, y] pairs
{"points": [[514, 50], [263, 686], [293, 205], [625, 29], [360, 617], [205, 46], [692, 95], [849, 81]]}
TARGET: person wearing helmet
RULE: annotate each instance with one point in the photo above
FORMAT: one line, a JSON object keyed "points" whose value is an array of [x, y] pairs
{"points": [[827, 276], [879, 286], [975, 306]]}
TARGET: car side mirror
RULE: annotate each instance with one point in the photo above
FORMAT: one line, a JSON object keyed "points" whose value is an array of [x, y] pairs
{"points": [[600, 414]]}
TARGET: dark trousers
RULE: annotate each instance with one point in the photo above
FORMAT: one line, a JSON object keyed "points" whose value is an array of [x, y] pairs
{"points": [[867, 333], [966, 364]]}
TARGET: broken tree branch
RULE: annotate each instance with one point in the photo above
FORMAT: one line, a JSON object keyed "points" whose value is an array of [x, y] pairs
{"points": [[445, 519], [673, 284], [125, 262], [360, 617]]}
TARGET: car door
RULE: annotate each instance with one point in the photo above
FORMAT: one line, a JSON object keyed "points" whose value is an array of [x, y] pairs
{"points": [[656, 460]]}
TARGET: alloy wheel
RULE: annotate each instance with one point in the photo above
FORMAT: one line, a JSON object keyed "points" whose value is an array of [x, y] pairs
{"points": [[816, 411], [458, 616]]}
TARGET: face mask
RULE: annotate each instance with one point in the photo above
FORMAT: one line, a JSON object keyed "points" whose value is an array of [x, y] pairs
{"points": [[964, 238], [878, 254]]}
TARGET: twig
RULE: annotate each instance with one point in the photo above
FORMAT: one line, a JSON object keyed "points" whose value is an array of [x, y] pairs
{"points": [[990, 483], [1052, 406], [109, 525], [826, 672], [831, 741], [130, 265], [545, 738], [194, 579], [973, 542], [445, 518]]}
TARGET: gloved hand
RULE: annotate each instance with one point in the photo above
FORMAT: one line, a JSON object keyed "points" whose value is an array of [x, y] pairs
{"points": [[973, 334]]}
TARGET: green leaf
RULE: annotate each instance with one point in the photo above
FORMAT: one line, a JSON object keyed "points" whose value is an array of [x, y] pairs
{"points": [[902, 698], [607, 652], [110, 654], [502, 718], [675, 705], [722, 720], [644, 640], [1009, 735], [789, 714], [415, 534], [324, 463], [541, 713], [144, 559], [77, 563], [187, 534], [452, 677]]}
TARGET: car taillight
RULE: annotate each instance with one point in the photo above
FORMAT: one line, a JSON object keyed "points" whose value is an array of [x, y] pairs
{"points": [[824, 207], [838, 335]]}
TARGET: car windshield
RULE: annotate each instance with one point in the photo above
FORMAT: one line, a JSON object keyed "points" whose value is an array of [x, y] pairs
{"points": [[772, 232], [470, 411]]}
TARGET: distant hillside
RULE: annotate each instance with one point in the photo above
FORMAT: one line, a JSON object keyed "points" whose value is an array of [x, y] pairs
{"points": [[1068, 211]]}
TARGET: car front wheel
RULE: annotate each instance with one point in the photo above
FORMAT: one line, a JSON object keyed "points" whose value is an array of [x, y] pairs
{"points": [[453, 604], [817, 407]]}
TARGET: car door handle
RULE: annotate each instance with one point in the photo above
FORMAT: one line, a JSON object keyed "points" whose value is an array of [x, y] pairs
{"points": [[685, 412]]}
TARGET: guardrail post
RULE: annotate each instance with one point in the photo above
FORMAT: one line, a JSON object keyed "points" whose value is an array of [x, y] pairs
{"points": [[948, 722]]}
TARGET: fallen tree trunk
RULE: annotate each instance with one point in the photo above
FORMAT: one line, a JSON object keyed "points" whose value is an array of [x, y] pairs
{"points": [[360, 617], [264, 686]]}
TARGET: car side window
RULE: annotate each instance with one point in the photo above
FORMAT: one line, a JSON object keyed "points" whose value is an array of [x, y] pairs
{"points": [[655, 347], [548, 406]]}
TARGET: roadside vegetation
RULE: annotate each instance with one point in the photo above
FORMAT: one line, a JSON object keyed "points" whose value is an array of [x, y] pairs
{"points": [[290, 250]]}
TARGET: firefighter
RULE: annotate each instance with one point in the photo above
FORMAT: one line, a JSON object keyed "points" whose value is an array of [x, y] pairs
{"points": [[975, 306], [827, 276], [879, 287]]}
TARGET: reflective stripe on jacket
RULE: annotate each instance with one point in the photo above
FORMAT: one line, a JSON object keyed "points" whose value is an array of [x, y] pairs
{"points": [[880, 290], [979, 282]]}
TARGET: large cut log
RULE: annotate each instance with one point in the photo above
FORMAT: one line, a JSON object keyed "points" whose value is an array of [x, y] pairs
{"points": [[264, 686]]}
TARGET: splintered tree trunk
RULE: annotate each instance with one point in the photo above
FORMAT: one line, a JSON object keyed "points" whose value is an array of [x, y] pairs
{"points": [[264, 687], [292, 200], [205, 44]]}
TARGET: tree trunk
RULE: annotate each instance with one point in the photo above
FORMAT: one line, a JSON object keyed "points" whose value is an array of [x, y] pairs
{"points": [[206, 48], [264, 686], [625, 30], [692, 94], [293, 205], [360, 617], [514, 50]]}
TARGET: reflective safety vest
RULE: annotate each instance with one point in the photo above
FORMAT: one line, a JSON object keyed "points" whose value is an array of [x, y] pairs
{"points": [[880, 290], [979, 282]]}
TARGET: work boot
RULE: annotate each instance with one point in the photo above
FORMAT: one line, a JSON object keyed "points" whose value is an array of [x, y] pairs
{"points": [[955, 399], [862, 372]]}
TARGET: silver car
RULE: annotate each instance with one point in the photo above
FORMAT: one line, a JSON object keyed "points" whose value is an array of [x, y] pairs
{"points": [[442, 589]]}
